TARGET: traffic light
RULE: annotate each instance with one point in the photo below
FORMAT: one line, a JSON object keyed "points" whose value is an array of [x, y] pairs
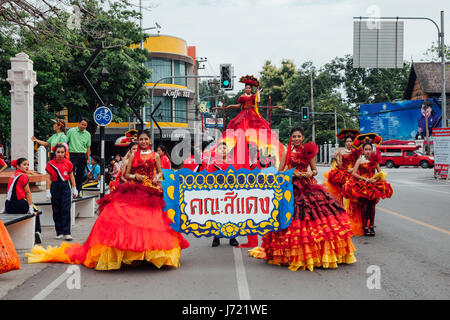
{"points": [[226, 77], [305, 113]]}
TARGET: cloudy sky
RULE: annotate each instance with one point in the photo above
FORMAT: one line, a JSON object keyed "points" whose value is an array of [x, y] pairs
{"points": [[246, 33]]}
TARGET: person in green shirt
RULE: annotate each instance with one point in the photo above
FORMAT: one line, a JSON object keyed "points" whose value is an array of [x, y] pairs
{"points": [[59, 137], [79, 149]]}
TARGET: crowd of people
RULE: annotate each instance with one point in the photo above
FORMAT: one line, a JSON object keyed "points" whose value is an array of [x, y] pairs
{"points": [[132, 226]]}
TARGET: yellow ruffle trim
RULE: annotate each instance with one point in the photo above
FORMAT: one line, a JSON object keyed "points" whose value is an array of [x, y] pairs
{"points": [[105, 258], [51, 254], [102, 257], [334, 253]]}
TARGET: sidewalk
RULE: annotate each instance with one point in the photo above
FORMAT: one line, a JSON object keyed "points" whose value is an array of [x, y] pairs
{"points": [[13, 279]]}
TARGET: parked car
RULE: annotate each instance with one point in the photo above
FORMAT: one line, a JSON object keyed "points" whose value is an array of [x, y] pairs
{"points": [[404, 155]]}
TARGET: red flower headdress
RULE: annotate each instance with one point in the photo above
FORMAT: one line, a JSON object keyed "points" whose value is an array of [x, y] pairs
{"points": [[347, 132], [372, 138], [14, 163], [251, 80]]}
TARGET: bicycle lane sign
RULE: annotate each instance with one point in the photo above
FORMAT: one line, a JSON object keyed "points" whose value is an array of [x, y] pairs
{"points": [[102, 116]]}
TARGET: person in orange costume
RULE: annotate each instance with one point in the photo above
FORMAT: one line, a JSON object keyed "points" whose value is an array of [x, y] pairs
{"points": [[131, 225]]}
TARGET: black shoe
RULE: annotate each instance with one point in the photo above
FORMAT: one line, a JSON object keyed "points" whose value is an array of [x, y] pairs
{"points": [[234, 242], [216, 242], [372, 231], [37, 237], [366, 232]]}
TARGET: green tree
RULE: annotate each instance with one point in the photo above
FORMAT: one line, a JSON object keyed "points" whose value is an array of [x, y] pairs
{"points": [[60, 53]]}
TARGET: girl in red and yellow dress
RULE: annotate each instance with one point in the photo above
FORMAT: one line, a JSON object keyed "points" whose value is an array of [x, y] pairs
{"points": [[367, 186], [131, 226], [250, 128], [320, 233], [341, 172]]}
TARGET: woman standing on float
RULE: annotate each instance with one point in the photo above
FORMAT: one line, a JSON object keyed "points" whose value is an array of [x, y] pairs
{"points": [[320, 233], [366, 186], [250, 128], [341, 172], [131, 225]]}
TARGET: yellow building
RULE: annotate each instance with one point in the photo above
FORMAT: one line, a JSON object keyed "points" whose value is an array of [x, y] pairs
{"points": [[177, 97]]}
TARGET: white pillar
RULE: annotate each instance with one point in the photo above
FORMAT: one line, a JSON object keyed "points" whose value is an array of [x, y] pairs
{"points": [[42, 159], [321, 154], [329, 152], [22, 79]]}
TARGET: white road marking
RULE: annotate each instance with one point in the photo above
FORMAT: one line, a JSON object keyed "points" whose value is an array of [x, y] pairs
{"points": [[424, 224], [52, 286], [241, 277]]}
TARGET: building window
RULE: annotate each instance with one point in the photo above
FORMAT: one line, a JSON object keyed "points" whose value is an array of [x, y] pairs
{"points": [[164, 112], [180, 110], [179, 70], [161, 68]]}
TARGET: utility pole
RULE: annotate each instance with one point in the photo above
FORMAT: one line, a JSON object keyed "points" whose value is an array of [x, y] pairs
{"points": [[312, 109]]}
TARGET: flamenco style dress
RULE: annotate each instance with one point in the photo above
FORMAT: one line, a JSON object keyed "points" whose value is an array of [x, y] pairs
{"points": [[336, 178], [249, 127], [319, 234], [131, 227], [365, 195]]}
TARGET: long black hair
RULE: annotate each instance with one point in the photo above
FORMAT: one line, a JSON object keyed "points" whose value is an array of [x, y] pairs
{"points": [[164, 150]]}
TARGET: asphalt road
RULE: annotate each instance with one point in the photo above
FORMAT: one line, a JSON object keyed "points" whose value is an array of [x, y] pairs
{"points": [[409, 258]]}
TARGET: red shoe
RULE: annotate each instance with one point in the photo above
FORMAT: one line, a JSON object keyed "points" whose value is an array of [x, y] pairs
{"points": [[252, 242]]}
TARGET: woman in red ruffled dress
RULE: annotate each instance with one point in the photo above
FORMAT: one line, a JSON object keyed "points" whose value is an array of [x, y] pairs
{"points": [[248, 129], [320, 233], [341, 172], [367, 187], [131, 226]]}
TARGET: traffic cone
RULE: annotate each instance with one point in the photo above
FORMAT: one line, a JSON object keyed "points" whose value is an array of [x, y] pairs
{"points": [[252, 242]]}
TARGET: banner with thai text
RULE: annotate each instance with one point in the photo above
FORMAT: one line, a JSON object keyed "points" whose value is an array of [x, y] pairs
{"points": [[228, 203]]}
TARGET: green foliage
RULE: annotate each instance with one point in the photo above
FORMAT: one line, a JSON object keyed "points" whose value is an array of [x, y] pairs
{"points": [[337, 85], [434, 53], [60, 57]]}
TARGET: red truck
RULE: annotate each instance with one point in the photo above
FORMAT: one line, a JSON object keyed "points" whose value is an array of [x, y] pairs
{"points": [[404, 155]]}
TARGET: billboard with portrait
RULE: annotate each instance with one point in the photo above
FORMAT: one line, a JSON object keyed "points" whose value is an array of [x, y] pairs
{"points": [[404, 120]]}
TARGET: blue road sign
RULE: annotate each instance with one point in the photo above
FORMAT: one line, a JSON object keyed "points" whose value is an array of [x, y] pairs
{"points": [[102, 116]]}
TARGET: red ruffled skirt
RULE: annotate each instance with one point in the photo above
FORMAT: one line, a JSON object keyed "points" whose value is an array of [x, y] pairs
{"points": [[248, 119], [334, 180], [318, 236], [131, 227], [371, 191]]}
